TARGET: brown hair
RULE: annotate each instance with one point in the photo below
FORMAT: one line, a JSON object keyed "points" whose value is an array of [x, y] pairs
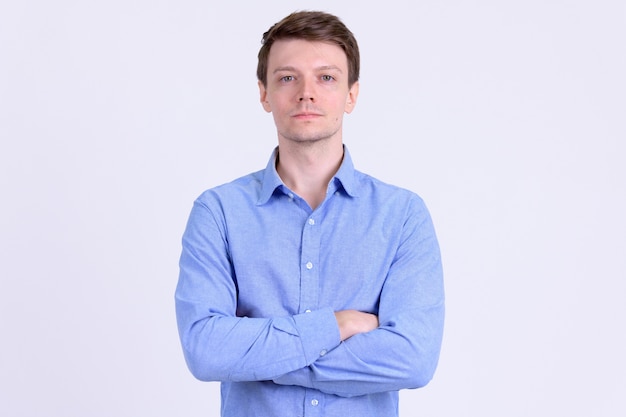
{"points": [[311, 26]]}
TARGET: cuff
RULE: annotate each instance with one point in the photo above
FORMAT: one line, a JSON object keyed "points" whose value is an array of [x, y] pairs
{"points": [[318, 332]]}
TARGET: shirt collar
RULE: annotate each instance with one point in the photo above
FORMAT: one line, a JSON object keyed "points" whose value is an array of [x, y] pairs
{"points": [[344, 178]]}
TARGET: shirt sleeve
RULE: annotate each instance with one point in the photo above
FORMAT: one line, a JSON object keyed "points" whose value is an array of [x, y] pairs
{"points": [[403, 351], [218, 345]]}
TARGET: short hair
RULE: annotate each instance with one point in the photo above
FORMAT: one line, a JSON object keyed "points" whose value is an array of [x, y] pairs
{"points": [[311, 26]]}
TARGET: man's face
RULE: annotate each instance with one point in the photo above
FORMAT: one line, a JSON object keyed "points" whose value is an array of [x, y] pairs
{"points": [[307, 90]]}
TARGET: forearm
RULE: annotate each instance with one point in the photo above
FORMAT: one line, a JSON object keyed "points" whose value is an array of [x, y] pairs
{"points": [[226, 348], [389, 358]]}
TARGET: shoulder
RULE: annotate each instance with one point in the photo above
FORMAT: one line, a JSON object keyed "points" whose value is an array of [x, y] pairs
{"points": [[238, 191], [371, 187], [401, 212]]}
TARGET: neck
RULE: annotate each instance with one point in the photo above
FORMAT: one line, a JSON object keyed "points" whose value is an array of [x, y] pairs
{"points": [[307, 170]]}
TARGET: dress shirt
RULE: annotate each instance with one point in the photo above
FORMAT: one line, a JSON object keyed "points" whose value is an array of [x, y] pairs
{"points": [[261, 275]]}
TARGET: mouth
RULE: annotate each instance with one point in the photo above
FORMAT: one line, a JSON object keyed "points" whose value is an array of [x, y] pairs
{"points": [[306, 115]]}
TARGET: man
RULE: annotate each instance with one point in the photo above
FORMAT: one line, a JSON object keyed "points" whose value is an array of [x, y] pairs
{"points": [[310, 288]]}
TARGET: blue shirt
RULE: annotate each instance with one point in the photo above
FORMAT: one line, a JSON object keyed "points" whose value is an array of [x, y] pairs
{"points": [[261, 275]]}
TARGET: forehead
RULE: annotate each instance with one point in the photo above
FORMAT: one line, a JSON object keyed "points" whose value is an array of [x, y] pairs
{"points": [[299, 53]]}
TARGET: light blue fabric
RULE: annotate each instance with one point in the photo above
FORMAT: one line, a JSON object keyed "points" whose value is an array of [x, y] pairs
{"points": [[261, 275]]}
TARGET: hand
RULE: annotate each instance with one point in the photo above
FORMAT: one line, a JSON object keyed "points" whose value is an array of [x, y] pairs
{"points": [[352, 322]]}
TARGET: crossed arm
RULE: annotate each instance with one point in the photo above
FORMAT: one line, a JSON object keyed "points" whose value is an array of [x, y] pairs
{"points": [[345, 353]]}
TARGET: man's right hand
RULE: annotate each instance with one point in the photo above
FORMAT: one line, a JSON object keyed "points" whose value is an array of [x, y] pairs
{"points": [[352, 322]]}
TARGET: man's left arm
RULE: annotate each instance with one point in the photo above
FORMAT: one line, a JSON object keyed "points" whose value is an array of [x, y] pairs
{"points": [[403, 351]]}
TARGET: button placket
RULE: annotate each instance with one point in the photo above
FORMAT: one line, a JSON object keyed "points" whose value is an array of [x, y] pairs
{"points": [[309, 272]]}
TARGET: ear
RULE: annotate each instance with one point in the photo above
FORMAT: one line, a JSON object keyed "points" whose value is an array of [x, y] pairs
{"points": [[263, 96], [353, 94]]}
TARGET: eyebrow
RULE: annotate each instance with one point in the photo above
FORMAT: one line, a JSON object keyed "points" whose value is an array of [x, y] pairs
{"points": [[322, 68]]}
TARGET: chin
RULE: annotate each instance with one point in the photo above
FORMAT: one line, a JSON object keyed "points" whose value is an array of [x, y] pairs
{"points": [[309, 137]]}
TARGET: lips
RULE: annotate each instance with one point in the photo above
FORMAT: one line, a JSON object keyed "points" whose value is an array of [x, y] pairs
{"points": [[305, 115]]}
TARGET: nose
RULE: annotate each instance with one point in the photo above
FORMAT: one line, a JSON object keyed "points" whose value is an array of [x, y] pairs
{"points": [[306, 92]]}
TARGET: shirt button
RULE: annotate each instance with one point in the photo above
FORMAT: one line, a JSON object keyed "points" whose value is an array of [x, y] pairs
{"points": [[314, 403], [311, 222], [290, 195], [309, 265], [307, 311], [323, 352]]}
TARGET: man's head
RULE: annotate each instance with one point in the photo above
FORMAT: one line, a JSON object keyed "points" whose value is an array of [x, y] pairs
{"points": [[314, 27]]}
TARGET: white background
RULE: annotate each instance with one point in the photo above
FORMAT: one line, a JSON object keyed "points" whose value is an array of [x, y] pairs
{"points": [[507, 117]]}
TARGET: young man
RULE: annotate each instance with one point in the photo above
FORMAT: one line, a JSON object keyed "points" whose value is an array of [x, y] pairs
{"points": [[310, 288]]}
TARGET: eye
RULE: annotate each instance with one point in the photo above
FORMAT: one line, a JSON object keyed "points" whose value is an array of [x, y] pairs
{"points": [[327, 78], [287, 78]]}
